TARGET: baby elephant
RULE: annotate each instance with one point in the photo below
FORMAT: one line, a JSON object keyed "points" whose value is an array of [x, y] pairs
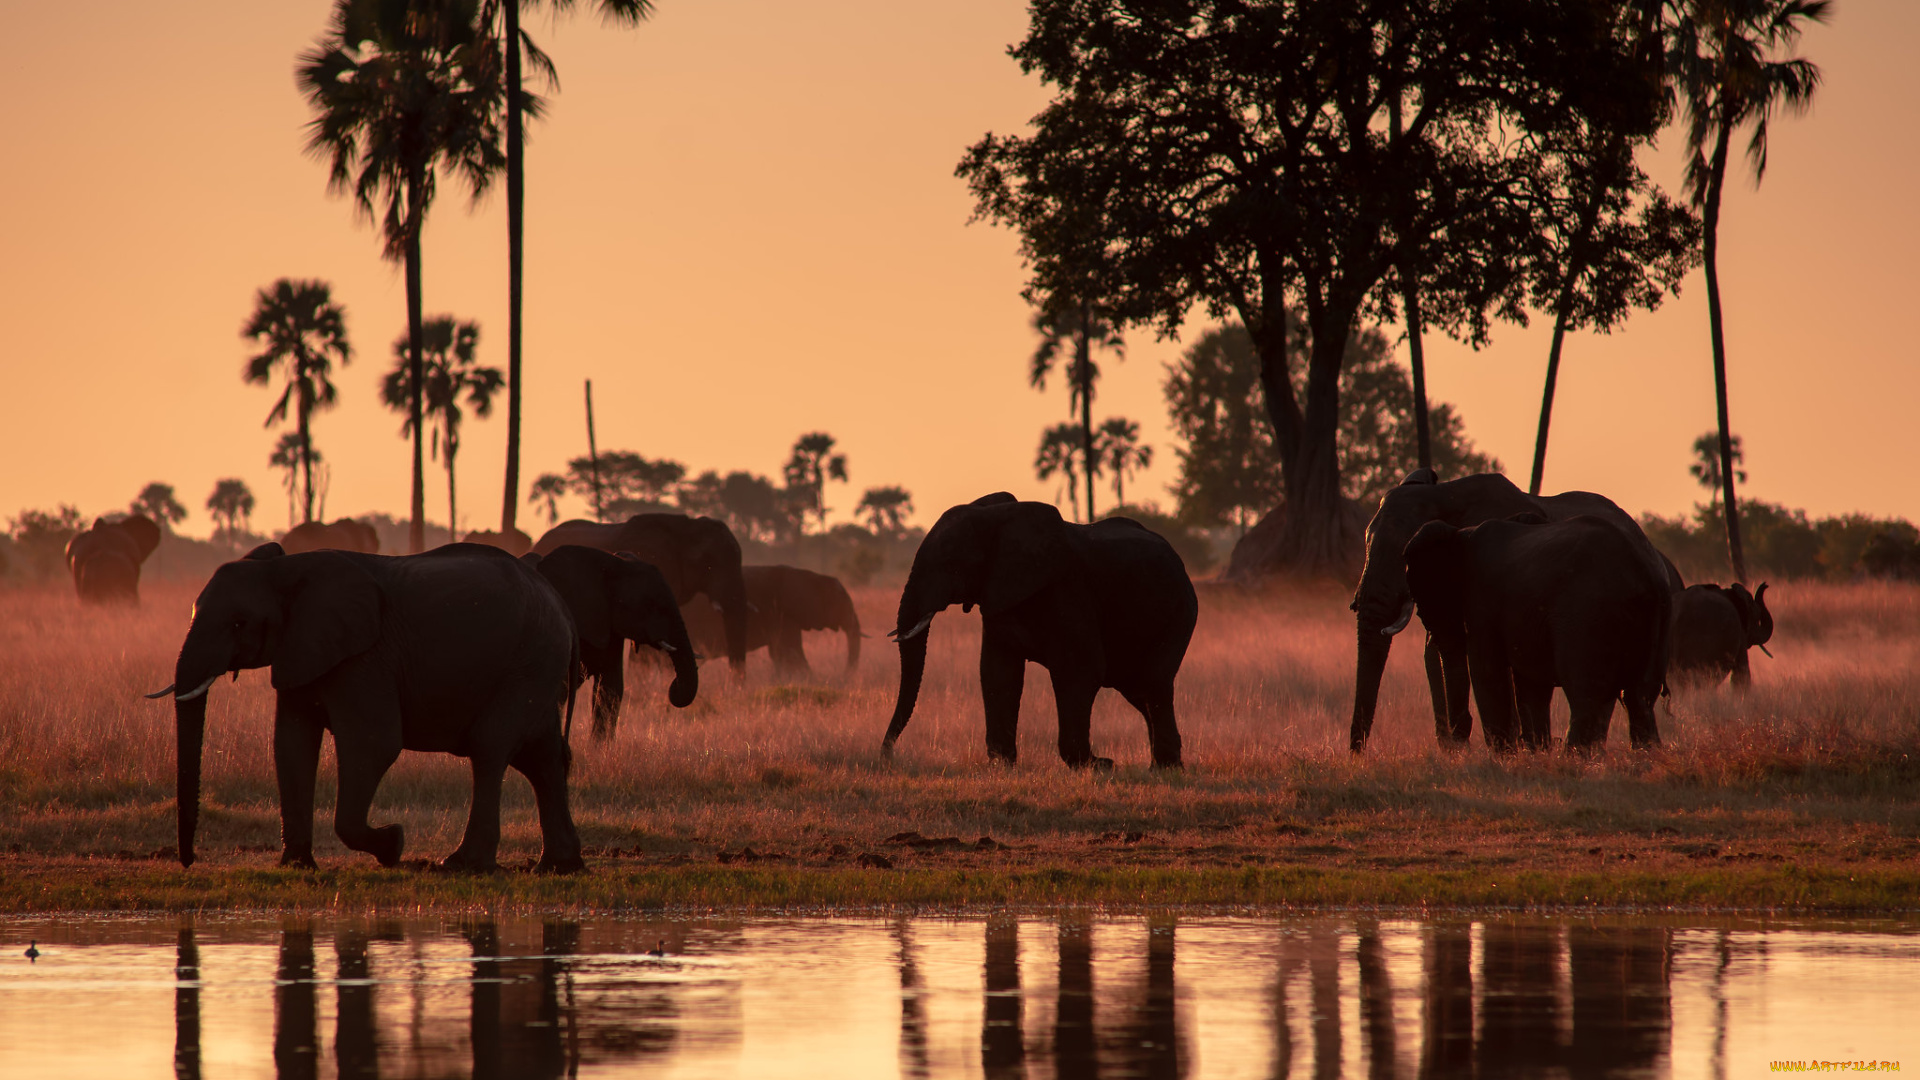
{"points": [[1568, 603], [1713, 627]]}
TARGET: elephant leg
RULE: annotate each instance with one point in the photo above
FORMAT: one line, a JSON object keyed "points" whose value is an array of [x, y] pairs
{"points": [[365, 751], [789, 655], [1451, 687], [1003, 675], [544, 764], [479, 849], [1074, 695], [296, 759], [1742, 672], [1592, 715], [609, 691], [1493, 690], [1534, 700], [1163, 731], [1643, 724]]}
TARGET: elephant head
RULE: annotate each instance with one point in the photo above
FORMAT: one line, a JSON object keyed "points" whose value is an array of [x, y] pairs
{"points": [[1439, 577], [301, 615], [994, 552], [1755, 620], [618, 597]]}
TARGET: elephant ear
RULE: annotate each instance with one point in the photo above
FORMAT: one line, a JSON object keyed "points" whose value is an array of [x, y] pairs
{"points": [[332, 612], [269, 550], [1742, 602], [1029, 551], [1435, 573], [581, 580], [144, 533], [642, 594]]}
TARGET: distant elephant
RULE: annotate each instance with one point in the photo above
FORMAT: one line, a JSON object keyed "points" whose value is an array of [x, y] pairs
{"points": [[461, 650], [105, 560], [1383, 604], [697, 556], [345, 534], [784, 601], [513, 541], [1570, 603], [614, 599], [1107, 604], [1713, 627]]}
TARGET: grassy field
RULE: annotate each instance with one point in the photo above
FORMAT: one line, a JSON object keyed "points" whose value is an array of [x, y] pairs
{"points": [[1801, 795]]}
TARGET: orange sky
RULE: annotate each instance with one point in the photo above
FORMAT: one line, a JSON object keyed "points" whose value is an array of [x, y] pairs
{"points": [[743, 225]]}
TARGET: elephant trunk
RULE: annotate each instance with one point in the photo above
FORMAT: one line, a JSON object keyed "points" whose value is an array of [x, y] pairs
{"points": [[913, 665], [190, 718], [1373, 649], [686, 671]]}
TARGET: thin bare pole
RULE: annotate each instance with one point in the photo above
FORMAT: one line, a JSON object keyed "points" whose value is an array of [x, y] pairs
{"points": [[593, 458]]}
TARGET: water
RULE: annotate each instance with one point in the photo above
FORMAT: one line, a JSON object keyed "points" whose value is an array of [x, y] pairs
{"points": [[1003, 997]]}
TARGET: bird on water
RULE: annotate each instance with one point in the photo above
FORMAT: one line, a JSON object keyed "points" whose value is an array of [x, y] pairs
{"points": [[658, 950], [33, 950]]}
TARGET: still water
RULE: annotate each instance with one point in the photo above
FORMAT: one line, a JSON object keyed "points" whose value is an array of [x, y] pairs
{"points": [[1002, 997]]}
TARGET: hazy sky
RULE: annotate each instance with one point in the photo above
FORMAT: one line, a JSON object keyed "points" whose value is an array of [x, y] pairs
{"points": [[743, 225]]}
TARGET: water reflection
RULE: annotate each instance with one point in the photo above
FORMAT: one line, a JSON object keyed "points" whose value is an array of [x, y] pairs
{"points": [[1068, 998]]}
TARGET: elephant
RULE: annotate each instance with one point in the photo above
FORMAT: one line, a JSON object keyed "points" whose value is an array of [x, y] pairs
{"points": [[345, 534], [105, 560], [697, 555], [460, 650], [1101, 605], [1713, 627], [613, 599], [784, 601], [513, 541], [1383, 604], [1534, 605]]}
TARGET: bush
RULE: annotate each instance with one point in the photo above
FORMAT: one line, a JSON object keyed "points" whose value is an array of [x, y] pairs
{"points": [[1783, 544]]}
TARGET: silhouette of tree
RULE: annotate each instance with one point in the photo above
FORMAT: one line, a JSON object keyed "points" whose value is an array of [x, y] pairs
{"points": [[294, 454], [807, 471], [1060, 448], [886, 510], [546, 491], [301, 331], [157, 501], [758, 508], [230, 505], [1239, 156], [43, 536], [403, 90], [629, 484], [1078, 325], [1120, 452], [1724, 60], [1706, 464], [522, 106], [448, 361], [701, 495]]}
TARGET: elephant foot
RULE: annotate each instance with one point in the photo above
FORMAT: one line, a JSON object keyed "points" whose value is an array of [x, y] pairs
{"points": [[572, 865], [1170, 765], [1097, 764], [385, 844], [298, 860], [458, 863]]}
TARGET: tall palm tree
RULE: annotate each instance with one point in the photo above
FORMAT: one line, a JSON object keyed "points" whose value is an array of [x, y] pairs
{"points": [[1122, 452], [1080, 325], [807, 471], [402, 90], [293, 453], [522, 105], [1060, 447], [1725, 59], [301, 330], [451, 370]]}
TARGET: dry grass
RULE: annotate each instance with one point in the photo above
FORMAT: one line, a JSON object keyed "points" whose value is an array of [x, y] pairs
{"points": [[1809, 778]]}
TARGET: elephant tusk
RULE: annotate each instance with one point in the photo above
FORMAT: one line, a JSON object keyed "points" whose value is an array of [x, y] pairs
{"points": [[663, 646], [160, 693], [1764, 649], [1406, 616], [196, 692], [918, 629]]}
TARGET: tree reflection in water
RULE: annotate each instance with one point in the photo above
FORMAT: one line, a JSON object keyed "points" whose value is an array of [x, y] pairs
{"points": [[186, 1007]]}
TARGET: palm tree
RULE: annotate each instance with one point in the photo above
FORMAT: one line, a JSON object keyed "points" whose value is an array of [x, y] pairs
{"points": [[300, 330], [293, 453], [1060, 446], [814, 463], [1079, 324], [546, 491], [403, 89], [230, 504], [521, 105], [886, 510], [1121, 452], [158, 503], [450, 370], [1706, 464], [1724, 59]]}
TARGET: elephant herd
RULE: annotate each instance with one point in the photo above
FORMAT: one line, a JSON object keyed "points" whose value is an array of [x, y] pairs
{"points": [[471, 651]]}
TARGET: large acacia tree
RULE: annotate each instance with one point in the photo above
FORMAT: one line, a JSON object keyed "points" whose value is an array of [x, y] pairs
{"points": [[1245, 156]]}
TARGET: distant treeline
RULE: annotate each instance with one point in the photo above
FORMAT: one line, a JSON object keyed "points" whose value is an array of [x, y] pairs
{"points": [[1782, 543]]}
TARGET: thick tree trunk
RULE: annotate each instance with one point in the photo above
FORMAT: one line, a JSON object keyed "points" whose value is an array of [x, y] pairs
{"points": [[1715, 181], [516, 225], [417, 529], [1315, 538]]}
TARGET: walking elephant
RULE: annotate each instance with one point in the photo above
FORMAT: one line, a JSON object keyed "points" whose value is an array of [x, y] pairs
{"points": [[345, 534], [784, 601], [105, 560], [1383, 604], [1101, 605], [696, 555], [1570, 603], [461, 650], [1713, 627], [614, 599]]}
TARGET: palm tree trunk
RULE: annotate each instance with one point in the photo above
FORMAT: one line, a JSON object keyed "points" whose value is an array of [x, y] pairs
{"points": [[1715, 181], [516, 223], [453, 517], [417, 529], [306, 446], [1083, 373], [1410, 295], [1546, 396]]}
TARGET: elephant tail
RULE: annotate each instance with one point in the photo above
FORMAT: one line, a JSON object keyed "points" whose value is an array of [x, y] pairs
{"points": [[1653, 679], [567, 684]]}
